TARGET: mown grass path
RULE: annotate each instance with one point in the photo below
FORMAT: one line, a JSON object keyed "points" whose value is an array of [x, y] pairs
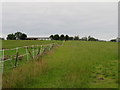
{"points": [[79, 64]]}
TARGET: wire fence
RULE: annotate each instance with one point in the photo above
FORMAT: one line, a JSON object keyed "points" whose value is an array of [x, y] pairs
{"points": [[20, 55]]}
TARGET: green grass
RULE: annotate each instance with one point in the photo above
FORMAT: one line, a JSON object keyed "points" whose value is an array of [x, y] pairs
{"points": [[20, 43], [76, 64], [10, 44]]}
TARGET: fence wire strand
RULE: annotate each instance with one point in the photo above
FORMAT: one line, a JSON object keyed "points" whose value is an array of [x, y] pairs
{"points": [[18, 55]]}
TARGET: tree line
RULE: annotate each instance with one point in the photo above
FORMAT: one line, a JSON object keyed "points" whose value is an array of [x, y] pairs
{"points": [[23, 36], [61, 37], [67, 37], [17, 36]]}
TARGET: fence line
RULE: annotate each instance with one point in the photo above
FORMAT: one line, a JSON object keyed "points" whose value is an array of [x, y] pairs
{"points": [[25, 46], [30, 51]]}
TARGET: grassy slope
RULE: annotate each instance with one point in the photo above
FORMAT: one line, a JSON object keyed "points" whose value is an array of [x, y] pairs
{"points": [[80, 64]]}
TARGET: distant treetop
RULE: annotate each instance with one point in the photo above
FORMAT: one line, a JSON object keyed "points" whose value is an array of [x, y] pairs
{"points": [[17, 36]]}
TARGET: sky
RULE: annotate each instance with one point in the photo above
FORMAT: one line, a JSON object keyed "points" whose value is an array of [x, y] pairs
{"points": [[97, 19]]}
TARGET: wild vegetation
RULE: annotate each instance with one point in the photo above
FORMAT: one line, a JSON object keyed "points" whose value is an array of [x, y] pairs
{"points": [[76, 64]]}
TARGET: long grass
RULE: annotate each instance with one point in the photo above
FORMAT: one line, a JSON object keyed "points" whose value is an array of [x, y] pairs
{"points": [[26, 74], [77, 64], [11, 54]]}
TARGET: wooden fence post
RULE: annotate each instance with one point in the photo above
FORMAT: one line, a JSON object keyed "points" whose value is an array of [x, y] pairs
{"points": [[3, 52], [38, 51], [33, 50], [50, 46], [30, 54], [41, 50], [16, 61], [27, 52]]}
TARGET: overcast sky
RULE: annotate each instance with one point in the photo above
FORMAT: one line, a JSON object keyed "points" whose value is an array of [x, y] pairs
{"points": [[99, 20]]}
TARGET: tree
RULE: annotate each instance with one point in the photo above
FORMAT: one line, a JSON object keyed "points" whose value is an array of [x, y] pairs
{"points": [[84, 38], [23, 37], [89, 37], [118, 39], [56, 37], [113, 40], [92, 38], [66, 37], [2, 38], [62, 37], [71, 38], [11, 37], [76, 38], [52, 37], [18, 35]]}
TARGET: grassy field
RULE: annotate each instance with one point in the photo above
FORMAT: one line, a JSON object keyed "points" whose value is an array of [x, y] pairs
{"points": [[12, 44], [76, 64], [20, 43]]}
